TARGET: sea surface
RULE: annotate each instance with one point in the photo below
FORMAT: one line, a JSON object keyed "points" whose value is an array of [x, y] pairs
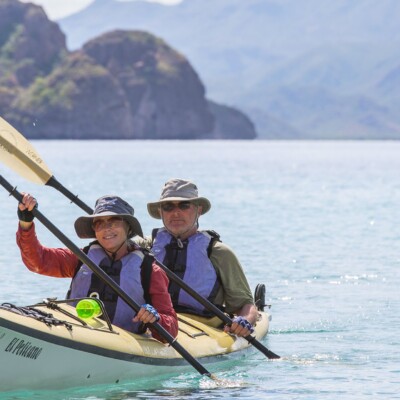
{"points": [[317, 222]]}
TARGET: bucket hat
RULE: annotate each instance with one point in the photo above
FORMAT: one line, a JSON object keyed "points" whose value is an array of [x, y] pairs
{"points": [[178, 190], [105, 206]]}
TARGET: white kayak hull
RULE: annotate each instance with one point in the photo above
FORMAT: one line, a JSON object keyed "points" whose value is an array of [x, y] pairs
{"points": [[36, 355]]}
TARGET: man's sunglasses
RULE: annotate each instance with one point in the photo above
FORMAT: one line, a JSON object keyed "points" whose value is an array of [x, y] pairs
{"points": [[183, 205]]}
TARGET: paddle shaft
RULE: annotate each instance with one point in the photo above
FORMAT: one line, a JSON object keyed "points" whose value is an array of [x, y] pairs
{"points": [[53, 182], [105, 278]]}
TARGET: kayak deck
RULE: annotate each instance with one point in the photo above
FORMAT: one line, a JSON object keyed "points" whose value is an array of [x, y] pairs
{"points": [[64, 351]]}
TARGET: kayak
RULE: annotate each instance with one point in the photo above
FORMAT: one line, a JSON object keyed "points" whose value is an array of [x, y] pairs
{"points": [[47, 346]]}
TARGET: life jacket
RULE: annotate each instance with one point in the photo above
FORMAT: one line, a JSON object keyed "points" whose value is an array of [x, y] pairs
{"points": [[132, 273], [190, 261]]}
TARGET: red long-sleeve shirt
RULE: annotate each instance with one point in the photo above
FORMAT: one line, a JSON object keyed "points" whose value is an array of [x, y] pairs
{"points": [[62, 262]]}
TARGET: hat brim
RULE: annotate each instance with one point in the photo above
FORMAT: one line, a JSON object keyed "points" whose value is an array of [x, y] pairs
{"points": [[84, 229], [154, 211]]}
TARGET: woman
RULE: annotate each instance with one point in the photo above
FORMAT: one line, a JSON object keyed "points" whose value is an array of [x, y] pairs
{"points": [[112, 224]]}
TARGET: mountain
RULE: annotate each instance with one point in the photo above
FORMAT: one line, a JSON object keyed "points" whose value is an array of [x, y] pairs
{"points": [[123, 84], [304, 69]]}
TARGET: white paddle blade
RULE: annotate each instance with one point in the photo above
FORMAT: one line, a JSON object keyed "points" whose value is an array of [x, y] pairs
{"points": [[18, 154]]}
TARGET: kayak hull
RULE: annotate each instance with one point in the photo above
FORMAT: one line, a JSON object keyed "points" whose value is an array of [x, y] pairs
{"points": [[40, 355]]}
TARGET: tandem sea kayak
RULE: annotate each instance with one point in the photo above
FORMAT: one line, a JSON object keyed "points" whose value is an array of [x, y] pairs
{"points": [[47, 346]]}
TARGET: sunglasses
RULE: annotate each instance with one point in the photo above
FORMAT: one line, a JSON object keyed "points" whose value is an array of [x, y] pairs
{"points": [[183, 206], [113, 222]]}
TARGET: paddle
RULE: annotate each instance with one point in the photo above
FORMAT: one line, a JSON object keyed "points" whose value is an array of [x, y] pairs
{"points": [[105, 278], [21, 156]]}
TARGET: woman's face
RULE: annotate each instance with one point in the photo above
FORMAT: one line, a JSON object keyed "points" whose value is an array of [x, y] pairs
{"points": [[111, 232]]}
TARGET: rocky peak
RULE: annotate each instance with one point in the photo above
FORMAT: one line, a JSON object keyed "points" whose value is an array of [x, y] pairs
{"points": [[159, 83], [29, 41]]}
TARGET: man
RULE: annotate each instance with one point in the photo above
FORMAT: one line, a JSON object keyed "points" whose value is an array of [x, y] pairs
{"points": [[199, 258], [112, 224]]}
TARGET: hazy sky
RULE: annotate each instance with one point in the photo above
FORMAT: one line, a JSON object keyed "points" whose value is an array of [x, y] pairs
{"points": [[61, 8]]}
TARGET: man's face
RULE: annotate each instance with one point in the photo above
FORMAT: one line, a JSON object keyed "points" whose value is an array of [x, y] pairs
{"points": [[180, 217]]}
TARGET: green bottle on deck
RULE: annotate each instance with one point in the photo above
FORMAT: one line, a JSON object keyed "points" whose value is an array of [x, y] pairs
{"points": [[88, 308]]}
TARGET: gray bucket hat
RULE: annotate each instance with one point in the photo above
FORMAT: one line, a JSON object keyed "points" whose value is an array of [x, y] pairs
{"points": [[178, 190], [105, 206]]}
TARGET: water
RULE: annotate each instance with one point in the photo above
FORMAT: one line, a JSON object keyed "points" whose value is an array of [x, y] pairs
{"points": [[317, 222]]}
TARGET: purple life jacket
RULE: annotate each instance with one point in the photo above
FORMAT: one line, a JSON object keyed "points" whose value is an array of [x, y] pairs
{"points": [[189, 259], [126, 272]]}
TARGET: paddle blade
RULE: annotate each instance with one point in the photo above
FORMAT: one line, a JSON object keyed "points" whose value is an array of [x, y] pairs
{"points": [[18, 154]]}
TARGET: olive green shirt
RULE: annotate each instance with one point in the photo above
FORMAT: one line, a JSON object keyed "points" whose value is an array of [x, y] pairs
{"points": [[235, 291]]}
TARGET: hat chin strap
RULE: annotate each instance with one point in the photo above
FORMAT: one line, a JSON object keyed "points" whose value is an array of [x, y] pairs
{"points": [[178, 238], [114, 253]]}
